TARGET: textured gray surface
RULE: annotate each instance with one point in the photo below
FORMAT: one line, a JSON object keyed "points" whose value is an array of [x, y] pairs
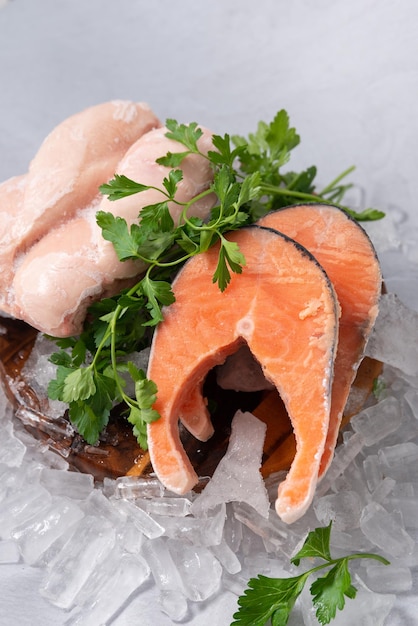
{"points": [[346, 72]]}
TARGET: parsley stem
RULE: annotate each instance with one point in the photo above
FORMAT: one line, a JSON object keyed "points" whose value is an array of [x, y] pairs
{"points": [[336, 180], [350, 557], [307, 197], [112, 330], [285, 191]]}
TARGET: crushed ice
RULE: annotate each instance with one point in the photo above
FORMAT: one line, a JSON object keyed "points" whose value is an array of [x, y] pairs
{"points": [[237, 477], [133, 536]]}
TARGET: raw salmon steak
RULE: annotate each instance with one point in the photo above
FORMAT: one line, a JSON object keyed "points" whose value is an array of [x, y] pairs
{"points": [[347, 255], [284, 307]]}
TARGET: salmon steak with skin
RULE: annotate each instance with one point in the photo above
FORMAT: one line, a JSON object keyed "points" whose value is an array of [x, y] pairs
{"points": [[72, 265], [347, 255], [284, 307]]}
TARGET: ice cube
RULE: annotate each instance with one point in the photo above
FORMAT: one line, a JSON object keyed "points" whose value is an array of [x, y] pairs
{"points": [[206, 530], [272, 529], [394, 339], [400, 461], [407, 507], [237, 477], [12, 450], [383, 489], [20, 506], [160, 560], [411, 398], [144, 522], [200, 571], [129, 573], [372, 471], [378, 421], [232, 529], [174, 604], [5, 406], [344, 455], [74, 564], [11, 480], [97, 504], [129, 538], [173, 507], [74, 485], [226, 557], [384, 531], [39, 533], [59, 429], [133, 487], [390, 579], [86, 597], [344, 508]]}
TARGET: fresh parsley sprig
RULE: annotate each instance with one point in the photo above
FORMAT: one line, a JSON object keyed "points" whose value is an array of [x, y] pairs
{"points": [[274, 598], [92, 368], [268, 150], [248, 182]]}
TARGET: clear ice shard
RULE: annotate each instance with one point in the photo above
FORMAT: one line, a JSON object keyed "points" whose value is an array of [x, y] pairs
{"points": [[20, 506], [77, 560], [75, 485], [205, 531], [163, 568], [384, 531], [378, 421], [12, 450], [200, 571], [130, 572], [237, 477], [39, 533], [399, 347]]}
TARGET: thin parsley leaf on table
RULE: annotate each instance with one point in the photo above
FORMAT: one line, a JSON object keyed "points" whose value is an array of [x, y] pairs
{"points": [[274, 598], [248, 182]]}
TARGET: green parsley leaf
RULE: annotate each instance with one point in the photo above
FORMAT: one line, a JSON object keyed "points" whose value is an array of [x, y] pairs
{"points": [[264, 597], [229, 255], [120, 187], [56, 385], [143, 413], [330, 590], [316, 545], [368, 215], [88, 422], [186, 134], [115, 230], [173, 159], [224, 154], [273, 598], [79, 385], [158, 293], [170, 183], [157, 217]]}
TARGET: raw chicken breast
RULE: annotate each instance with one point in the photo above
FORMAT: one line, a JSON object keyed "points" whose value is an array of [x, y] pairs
{"points": [[73, 265], [78, 156], [12, 192]]}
